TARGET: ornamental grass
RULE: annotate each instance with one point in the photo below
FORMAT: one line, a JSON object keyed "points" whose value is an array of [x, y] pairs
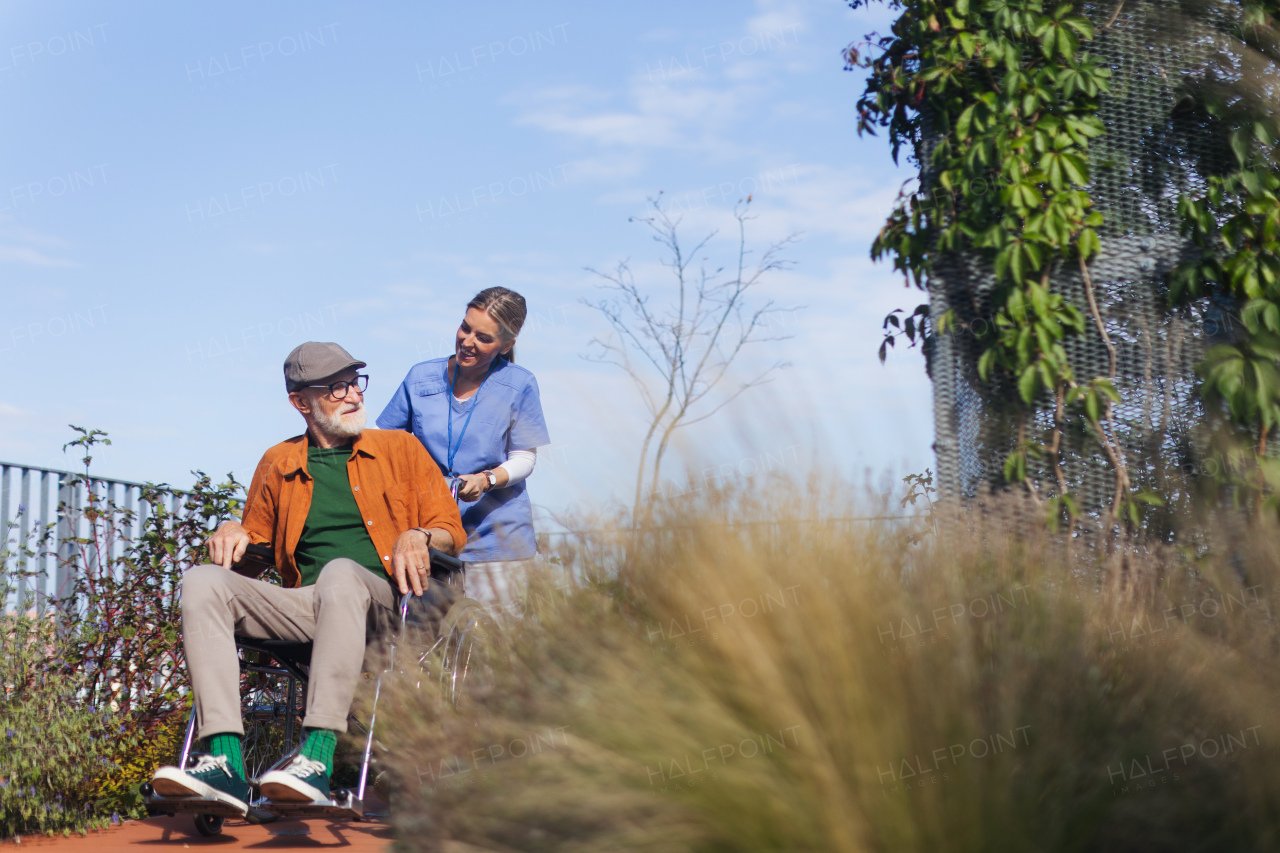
{"points": [[744, 678]]}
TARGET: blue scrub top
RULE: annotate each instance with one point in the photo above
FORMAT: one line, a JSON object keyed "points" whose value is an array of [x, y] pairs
{"points": [[508, 417]]}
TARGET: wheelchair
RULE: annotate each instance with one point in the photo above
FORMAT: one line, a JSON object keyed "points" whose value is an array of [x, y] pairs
{"points": [[441, 636]]}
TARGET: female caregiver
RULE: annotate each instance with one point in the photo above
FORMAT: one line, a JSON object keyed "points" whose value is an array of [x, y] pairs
{"points": [[480, 418]]}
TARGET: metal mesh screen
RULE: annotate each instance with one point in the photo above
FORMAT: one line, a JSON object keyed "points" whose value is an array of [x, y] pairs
{"points": [[1158, 145]]}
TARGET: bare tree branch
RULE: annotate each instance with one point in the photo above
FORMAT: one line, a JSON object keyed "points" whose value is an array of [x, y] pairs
{"points": [[686, 347]]}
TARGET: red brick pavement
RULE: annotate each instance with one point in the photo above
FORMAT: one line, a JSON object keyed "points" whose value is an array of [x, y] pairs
{"points": [[168, 833]]}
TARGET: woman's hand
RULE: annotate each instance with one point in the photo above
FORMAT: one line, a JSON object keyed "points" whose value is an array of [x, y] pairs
{"points": [[473, 486]]}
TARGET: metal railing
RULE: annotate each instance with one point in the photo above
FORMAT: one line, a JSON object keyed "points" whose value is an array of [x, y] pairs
{"points": [[42, 516], [833, 522], [600, 551], [39, 552]]}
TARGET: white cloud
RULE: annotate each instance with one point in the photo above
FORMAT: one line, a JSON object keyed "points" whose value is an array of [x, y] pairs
{"points": [[576, 112], [44, 241], [848, 203], [32, 248], [608, 167], [31, 257], [691, 98]]}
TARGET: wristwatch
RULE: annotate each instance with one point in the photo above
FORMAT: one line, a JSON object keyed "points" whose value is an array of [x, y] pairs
{"points": [[493, 478]]}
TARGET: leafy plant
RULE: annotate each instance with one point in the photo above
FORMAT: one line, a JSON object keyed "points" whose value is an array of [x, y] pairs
{"points": [[126, 636], [95, 692], [125, 640], [998, 102], [134, 759], [1235, 224], [921, 486], [54, 746]]}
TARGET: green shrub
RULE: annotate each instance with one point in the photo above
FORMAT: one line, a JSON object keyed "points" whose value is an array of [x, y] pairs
{"points": [[126, 634], [134, 758], [109, 661], [125, 637], [54, 747]]}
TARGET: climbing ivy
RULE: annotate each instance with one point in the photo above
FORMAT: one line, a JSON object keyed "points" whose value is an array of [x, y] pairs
{"points": [[998, 103], [1235, 225]]}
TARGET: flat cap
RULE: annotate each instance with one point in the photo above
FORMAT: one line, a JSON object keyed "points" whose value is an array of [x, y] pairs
{"points": [[313, 361]]}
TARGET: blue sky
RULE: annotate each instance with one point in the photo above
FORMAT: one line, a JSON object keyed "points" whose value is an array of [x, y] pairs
{"points": [[187, 191]]}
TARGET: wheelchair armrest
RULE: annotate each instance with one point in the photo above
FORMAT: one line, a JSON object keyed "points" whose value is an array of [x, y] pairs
{"points": [[260, 557], [441, 591], [444, 566], [256, 560]]}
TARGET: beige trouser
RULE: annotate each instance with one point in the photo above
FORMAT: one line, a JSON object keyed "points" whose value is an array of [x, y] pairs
{"points": [[345, 608]]}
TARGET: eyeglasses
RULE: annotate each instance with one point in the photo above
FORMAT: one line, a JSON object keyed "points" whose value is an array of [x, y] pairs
{"points": [[339, 389]]}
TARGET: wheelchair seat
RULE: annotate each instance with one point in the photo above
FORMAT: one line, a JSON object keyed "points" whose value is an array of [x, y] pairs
{"points": [[434, 626], [425, 612], [290, 654]]}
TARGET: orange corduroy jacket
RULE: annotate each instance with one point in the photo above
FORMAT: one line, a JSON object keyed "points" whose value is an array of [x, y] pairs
{"points": [[396, 484]]}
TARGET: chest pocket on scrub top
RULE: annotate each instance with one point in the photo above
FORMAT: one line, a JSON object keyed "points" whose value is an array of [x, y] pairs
{"points": [[429, 401]]}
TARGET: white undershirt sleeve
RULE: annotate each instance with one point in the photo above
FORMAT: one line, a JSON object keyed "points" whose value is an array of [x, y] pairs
{"points": [[519, 465]]}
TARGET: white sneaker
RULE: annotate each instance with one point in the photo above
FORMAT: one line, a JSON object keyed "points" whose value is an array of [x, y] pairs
{"points": [[300, 781]]}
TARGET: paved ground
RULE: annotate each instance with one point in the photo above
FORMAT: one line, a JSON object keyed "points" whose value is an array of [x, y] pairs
{"points": [[178, 833], [160, 833]]}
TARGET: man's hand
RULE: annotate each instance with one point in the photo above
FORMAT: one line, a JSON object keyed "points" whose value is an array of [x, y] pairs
{"points": [[227, 544], [411, 562], [411, 558]]}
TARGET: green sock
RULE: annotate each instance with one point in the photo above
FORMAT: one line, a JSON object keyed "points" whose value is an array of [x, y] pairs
{"points": [[229, 745], [319, 746]]}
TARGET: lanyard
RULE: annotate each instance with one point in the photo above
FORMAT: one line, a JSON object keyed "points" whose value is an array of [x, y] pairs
{"points": [[475, 399]]}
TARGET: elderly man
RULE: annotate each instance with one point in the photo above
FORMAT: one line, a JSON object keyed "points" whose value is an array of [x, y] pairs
{"points": [[351, 514]]}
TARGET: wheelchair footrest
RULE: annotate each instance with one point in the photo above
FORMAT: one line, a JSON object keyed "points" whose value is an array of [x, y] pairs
{"points": [[159, 805], [344, 805]]}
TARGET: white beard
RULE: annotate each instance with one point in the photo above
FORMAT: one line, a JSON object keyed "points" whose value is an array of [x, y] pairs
{"points": [[340, 427]]}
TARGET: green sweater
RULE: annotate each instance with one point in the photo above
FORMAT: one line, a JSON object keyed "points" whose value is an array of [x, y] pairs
{"points": [[334, 525]]}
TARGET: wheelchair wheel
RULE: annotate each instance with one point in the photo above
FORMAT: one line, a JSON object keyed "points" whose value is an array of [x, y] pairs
{"points": [[272, 709], [469, 641], [208, 825]]}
